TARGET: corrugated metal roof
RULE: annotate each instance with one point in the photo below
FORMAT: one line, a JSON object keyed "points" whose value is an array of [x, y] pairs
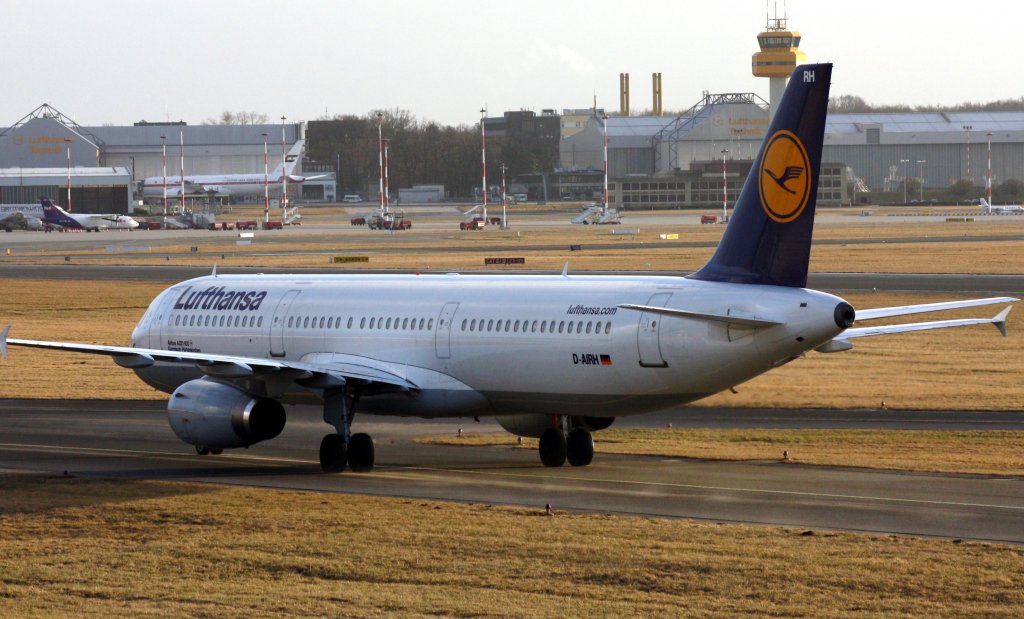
{"points": [[926, 122], [194, 134]]}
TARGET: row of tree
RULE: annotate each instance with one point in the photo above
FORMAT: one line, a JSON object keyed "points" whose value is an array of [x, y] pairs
{"points": [[421, 153], [852, 104], [1010, 190]]}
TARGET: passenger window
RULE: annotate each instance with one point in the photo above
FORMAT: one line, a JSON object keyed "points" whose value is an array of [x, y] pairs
{"points": [[490, 325], [380, 322], [533, 328], [421, 324], [464, 323], [597, 328], [321, 322], [330, 322], [305, 322], [515, 327], [607, 328], [430, 325], [220, 322], [259, 323], [561, 326], [349, 322], [398, 323], [588, 328], [508, 325], [570, 327], [472, 325], [290, 320], [373, 321], [405, 324], [388, 324]]}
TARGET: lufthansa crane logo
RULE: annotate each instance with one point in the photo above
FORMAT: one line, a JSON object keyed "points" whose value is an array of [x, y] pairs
{"points": [[784, 177]]}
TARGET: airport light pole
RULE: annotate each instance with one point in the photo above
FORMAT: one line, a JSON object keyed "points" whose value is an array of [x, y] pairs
{"points": [[504, 197], [68, 142], [904, 162], [920, 164], [988, 175], [968, 128], [725, 188], [284, 169], [266, 182], [163, 147], [380, 159], [483, 159], [604, 194], [181, 141]]}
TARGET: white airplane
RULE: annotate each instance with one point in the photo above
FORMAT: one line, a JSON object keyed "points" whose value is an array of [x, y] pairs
{"points": [[1006, 209], [21, 216], [226, 184], [550, 356], [54, 215]]}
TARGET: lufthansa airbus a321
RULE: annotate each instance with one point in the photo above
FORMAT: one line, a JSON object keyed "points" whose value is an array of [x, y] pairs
{"points": [[551, 356]]}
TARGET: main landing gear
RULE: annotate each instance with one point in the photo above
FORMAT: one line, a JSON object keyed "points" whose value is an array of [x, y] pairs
{"points": [[557, 446], [344, 449]]}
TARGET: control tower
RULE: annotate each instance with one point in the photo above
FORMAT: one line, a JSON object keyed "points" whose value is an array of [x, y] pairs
{"points": [[777, 59]]}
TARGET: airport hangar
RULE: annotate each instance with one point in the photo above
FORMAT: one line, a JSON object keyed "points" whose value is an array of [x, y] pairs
{"points": [[106, 163], [654, 161], [674, 162]]}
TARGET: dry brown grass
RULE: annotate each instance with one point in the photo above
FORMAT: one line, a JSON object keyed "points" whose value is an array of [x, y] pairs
{"points": [[946, 451], [71, 547]]}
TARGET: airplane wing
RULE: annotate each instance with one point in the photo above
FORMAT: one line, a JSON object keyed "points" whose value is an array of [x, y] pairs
{"points": [[229, 367]]}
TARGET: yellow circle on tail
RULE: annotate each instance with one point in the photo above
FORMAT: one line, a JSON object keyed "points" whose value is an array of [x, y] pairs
{"points": [[784, 178]]}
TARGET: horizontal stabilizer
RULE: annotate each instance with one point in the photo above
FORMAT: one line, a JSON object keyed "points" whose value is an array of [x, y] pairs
{"points": [[903, 310], [755, 323], [843, 341]]}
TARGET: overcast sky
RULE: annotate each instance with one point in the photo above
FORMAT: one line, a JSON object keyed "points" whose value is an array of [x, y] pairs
{"points": [[118, 62]]}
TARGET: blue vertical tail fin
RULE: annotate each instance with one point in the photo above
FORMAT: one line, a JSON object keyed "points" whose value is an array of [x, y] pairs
{"points": [[768, 239], [56, 216]]}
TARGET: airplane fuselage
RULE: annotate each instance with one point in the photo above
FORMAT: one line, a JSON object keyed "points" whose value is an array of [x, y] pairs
{"points": [[226, 184], [493, 345]]}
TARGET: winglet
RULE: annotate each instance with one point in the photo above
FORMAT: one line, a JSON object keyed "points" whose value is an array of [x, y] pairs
{"points": [[565, 269], [1000, 320], [3, 342], [214, 274]]}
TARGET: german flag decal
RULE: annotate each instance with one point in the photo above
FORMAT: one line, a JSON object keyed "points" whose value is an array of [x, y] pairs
{"points": [[784, 179]]}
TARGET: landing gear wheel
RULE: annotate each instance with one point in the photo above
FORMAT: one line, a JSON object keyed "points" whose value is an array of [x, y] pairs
{"points": [[553, 447], [202, 451], [333, 454], [360, 453], [580, 447]]}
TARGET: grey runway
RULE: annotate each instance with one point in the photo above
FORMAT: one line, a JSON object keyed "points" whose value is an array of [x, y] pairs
{"points": [[132, 440]]}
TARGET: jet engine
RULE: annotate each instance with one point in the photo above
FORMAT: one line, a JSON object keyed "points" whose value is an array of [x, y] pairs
{"points": [[215, 415], [534, 425]]}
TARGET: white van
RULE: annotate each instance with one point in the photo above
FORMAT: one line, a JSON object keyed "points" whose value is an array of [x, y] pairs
{"points": [[352, 198]]}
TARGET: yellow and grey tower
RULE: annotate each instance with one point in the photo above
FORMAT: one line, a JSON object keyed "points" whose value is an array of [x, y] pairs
{"points": [[777, 59]]}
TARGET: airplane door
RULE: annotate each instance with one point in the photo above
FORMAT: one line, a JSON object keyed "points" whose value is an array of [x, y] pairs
{"points": [[443, 334], [277, 324], [160, 325], [647, 334]]}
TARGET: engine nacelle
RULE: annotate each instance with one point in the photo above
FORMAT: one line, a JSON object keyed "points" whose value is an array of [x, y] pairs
{"points": [[207, 413], [534, 425]]}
